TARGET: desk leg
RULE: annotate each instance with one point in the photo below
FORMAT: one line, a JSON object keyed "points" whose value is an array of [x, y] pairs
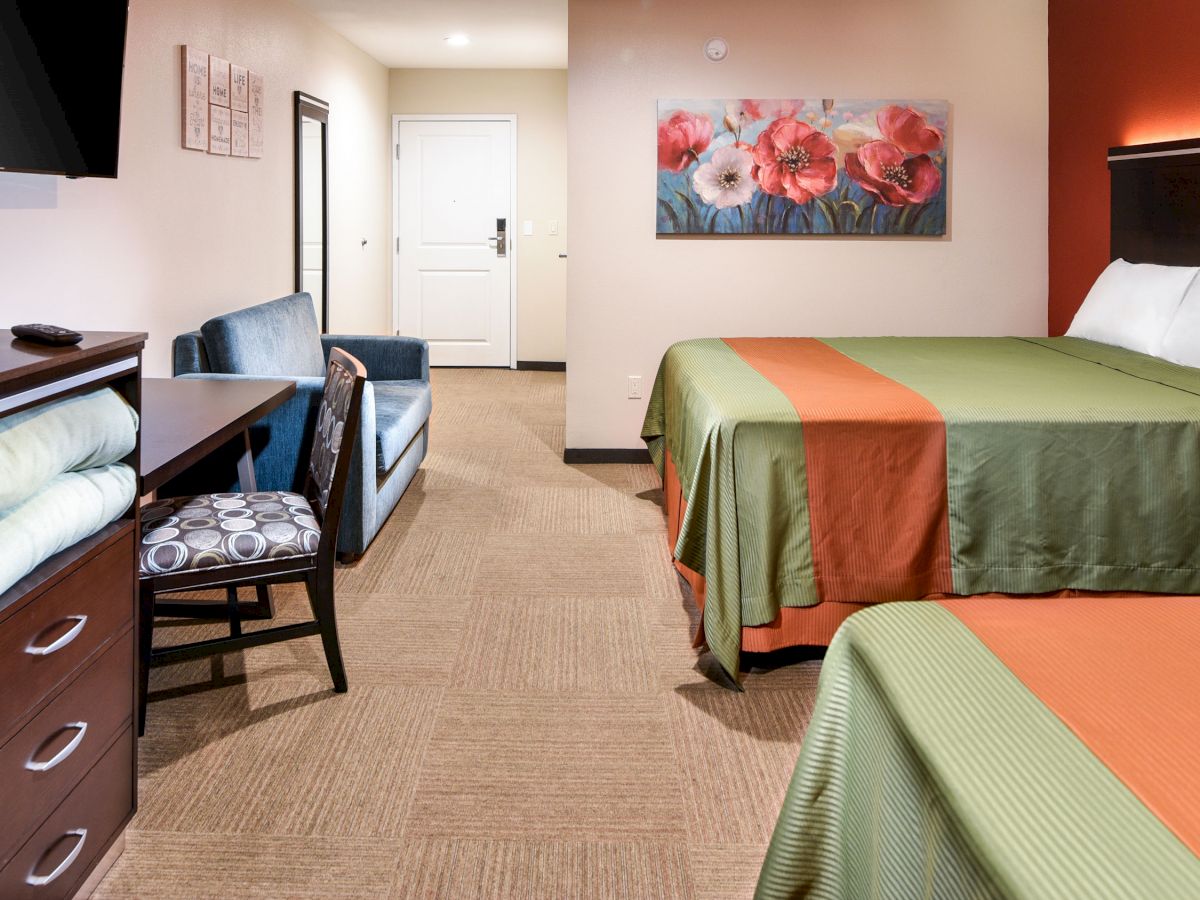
{"points": [[249, 484]]}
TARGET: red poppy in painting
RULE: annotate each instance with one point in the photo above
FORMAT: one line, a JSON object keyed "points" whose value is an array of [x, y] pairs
{"points": [[792, 159], [908, 130], [681, 140], [882, 169]]}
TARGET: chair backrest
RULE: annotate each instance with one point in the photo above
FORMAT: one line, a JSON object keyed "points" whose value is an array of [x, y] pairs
{"points": [[333, 442], [279, 337]]}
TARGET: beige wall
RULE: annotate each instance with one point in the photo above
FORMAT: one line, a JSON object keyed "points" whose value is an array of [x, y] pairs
{"points": [[181, 236], [629, 294], [538, 97]]}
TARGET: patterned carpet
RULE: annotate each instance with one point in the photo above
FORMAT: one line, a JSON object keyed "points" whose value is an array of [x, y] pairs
{"points": [[526, 717]]}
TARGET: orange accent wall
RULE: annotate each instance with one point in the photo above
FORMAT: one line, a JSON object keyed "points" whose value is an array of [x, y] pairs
{"points": [[1120, 73]]}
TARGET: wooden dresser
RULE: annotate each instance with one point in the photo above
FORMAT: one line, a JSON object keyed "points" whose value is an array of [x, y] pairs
{"points": [[68, 749]]}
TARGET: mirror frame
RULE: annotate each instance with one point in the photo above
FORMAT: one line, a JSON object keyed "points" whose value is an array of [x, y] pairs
{"points": [[310, 107]]}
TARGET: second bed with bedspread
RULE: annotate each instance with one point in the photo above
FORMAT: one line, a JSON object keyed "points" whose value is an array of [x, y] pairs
{"points": [[808, 477]]}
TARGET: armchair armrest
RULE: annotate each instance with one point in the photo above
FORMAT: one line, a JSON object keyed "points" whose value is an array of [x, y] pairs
{"points": [[187, 354], [387, 357]]}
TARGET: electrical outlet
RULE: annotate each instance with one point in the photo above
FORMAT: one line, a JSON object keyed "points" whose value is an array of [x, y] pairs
{"points": [[635, 387]]}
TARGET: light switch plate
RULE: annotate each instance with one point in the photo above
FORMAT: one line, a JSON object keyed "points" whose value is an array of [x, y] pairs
{"points": [[553, 226], [527, 228]]}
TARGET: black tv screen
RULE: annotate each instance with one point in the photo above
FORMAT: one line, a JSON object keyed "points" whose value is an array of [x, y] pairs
{"points": [[60, 86]]}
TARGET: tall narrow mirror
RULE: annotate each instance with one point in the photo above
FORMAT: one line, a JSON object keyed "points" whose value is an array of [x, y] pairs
{"points": [[312, 202]]}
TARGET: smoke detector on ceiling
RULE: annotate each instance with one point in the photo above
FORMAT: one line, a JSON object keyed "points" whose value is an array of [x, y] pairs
{"points": [[716, 49]]}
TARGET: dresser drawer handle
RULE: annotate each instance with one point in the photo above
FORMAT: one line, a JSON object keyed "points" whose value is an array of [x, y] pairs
{"points": [[62, 754], [80, 621], [40, 880]]}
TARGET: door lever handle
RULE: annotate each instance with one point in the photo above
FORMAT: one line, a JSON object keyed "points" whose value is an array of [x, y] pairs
{"points": [[500, 242]]}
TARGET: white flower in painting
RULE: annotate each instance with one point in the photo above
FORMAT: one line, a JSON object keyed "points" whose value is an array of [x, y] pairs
{"points": [[725, 180]]}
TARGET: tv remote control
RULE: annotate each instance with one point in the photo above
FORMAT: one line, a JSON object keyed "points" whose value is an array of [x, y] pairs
{"points": [[47, 334]]}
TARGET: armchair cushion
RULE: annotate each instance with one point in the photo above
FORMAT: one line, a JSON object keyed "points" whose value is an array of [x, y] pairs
{"points": [[279, 337], [216, 530], [401, 409]]}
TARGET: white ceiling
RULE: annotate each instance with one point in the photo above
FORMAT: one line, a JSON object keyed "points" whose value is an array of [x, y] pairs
{"points": [[505, 34]]}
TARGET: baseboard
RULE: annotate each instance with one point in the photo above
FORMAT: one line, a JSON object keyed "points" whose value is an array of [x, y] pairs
{"points": [[538, 365], [577, 456]]}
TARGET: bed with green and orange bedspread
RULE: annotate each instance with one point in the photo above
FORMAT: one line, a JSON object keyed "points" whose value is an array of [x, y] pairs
{"points": [[805, 478], [1000, 747]]}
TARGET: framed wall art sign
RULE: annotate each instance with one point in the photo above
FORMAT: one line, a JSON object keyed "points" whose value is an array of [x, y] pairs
{"points": [[218, 81], [257, 105], [195, 98], [239, 88], [239, 133], [218, 130]]}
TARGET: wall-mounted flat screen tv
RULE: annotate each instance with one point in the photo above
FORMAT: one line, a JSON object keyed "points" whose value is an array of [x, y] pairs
{"points": [[60, 86]]}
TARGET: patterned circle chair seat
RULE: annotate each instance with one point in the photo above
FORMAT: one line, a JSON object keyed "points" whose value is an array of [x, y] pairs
{"points": [[254, 539], [216, 530]]}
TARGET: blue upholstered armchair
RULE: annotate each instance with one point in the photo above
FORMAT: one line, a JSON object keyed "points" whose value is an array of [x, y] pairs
{"points": [[280, 339]]}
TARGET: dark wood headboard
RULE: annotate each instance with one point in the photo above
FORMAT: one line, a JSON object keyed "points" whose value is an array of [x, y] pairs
{"points": [[1156, 203]]}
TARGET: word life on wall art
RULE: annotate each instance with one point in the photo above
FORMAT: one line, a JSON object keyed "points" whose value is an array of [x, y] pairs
{"points": [[222, 106], [802, 167]]}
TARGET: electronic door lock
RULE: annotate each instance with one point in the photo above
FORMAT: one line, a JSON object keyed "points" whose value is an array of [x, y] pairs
{"points": [[500, 241]]}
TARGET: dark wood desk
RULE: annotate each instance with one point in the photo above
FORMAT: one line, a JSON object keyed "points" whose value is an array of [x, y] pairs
{"points": [[184, 420]]}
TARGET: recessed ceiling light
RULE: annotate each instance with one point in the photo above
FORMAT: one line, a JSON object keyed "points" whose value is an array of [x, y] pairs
{"points": [[457, 40]]}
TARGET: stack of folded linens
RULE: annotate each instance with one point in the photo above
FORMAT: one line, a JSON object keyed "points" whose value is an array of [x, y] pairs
{"points": [[60, 476]]}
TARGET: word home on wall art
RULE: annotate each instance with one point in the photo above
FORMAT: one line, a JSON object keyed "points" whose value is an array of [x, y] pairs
{"points": [[802, 167], [222, 106]]}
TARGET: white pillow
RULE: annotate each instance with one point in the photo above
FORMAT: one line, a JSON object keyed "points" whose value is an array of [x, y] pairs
{"points": [[1182, 343], [1132, 306]]}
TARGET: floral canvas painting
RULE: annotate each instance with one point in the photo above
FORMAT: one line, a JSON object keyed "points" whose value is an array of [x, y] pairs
{"points": [[857, 167]]}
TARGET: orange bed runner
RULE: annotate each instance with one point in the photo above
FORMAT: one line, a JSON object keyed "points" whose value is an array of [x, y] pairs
{"points": [[874, 493], [1122, 673]]}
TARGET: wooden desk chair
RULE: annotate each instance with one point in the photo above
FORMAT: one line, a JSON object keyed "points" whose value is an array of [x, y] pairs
{"points": [[233, 540]]}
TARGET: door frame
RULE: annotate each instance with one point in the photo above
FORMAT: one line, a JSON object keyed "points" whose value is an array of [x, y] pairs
{"points": [[512, 242]]}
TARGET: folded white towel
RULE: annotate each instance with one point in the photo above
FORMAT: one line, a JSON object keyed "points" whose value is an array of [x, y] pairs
{"points": [[82, 431], [69, 508]]}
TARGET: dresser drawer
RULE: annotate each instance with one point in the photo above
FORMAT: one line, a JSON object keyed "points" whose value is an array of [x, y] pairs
{"points": [[47, 639], [72, 839], [45, 759]]}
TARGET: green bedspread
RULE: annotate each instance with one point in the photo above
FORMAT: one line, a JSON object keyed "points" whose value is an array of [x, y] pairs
{"points": [[1067, 464], [931, 770]]}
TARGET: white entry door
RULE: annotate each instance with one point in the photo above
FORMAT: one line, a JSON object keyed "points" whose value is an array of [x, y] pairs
{"points": [[454, 249]]}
